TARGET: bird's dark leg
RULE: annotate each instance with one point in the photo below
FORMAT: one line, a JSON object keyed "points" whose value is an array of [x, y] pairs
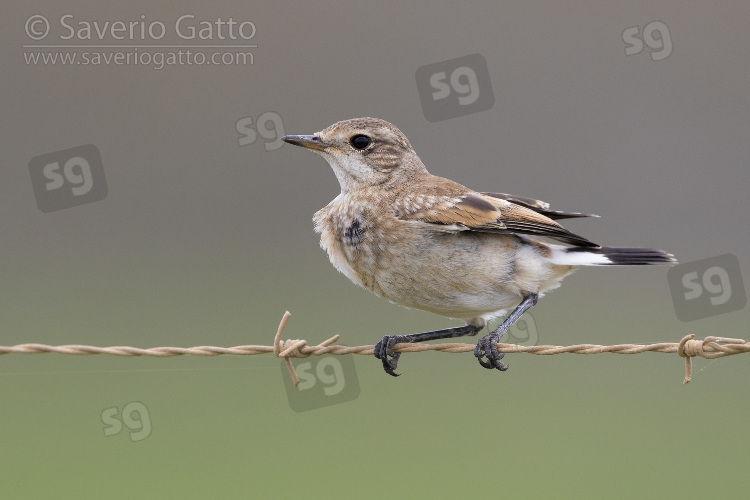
{"points": [[486, 346], [384, 348]]}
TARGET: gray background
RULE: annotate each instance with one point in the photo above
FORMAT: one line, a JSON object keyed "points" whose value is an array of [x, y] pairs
{"points": [[202, 241]]}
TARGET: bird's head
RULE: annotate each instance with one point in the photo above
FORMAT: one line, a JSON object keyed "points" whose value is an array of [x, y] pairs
{"points": [[363, 152]]}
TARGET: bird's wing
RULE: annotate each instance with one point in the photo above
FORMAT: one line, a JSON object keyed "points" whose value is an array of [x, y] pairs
{"points": [[538, 206], [468, 210]]}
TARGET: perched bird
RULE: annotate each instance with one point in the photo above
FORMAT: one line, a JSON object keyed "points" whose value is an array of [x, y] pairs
{"points": [[429, 243]]}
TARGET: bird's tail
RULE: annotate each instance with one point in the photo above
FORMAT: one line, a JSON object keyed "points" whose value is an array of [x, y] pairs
{"points": [[609, 256]]}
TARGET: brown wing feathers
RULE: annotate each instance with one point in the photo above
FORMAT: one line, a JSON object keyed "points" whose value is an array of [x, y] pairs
{"points": [[521, 220], [469, 210], [483, 214], [538, 206]]}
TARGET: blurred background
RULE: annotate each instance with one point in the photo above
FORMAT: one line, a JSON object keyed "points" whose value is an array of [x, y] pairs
{"points": [[189, 223]]}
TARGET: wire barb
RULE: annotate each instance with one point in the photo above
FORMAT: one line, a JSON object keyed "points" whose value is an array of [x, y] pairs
{"points": [[688, 348]]}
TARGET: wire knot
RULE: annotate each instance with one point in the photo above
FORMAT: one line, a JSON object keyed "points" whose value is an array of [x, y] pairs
{"points": [[718, 347], [287, 349], [291, 349], [689, 347]]}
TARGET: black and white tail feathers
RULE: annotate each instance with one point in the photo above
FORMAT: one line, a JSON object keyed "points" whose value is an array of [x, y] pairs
{"points": [[583, 252], [609, 256]]}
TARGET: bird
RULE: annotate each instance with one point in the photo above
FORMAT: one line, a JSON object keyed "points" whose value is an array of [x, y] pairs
{"points": [[429, 243]]}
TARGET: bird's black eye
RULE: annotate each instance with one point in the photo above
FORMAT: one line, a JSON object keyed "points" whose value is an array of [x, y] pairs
{"points": [[360, 141]]}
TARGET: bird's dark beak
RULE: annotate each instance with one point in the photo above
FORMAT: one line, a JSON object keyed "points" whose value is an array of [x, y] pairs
{"points": [[306, 141]]}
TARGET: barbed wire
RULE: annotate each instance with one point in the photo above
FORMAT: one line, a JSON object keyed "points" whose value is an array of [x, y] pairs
{"points": [[688, 348]]}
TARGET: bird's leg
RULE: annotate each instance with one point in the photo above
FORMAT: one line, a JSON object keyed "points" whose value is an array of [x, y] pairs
{"points": [[486, 346], [384, 348]]}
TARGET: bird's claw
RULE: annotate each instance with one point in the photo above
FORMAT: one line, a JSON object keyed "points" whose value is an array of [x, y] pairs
{"points": [[487, 348], [384, 352]]}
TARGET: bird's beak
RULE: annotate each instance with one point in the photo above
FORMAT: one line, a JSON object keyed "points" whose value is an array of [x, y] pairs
{"points": [[306, 141]]}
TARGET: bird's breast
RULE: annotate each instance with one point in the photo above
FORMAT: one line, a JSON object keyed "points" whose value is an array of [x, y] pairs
{"points": [[350, 235]]}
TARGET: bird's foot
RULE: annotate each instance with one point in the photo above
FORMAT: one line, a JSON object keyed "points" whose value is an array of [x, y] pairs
{"points": [[384, 352], [487, 348]]}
